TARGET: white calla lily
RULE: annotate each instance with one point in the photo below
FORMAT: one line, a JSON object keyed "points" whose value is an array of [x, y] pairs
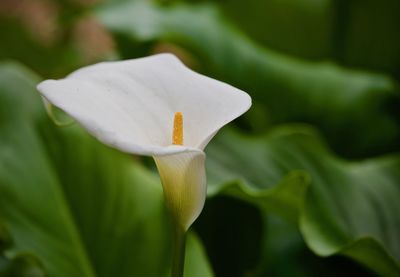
{"points": [[154, 106], [130, 105]]}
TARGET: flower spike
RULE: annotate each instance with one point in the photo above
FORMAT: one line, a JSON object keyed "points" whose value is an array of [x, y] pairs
{"points": [[177, 134]]}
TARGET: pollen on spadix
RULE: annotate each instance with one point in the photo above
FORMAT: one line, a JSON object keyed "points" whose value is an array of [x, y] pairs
{"points": [[177, 132]]}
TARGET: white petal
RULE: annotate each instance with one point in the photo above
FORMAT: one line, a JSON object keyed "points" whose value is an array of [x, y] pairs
{"points": [[184, 182], [131, 104]]}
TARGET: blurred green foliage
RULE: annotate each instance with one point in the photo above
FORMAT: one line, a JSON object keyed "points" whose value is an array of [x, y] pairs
{"points": [[306, 183], [353, 33]]}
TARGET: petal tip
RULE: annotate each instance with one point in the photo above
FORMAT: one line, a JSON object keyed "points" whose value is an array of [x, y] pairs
{"points": [[43, 86], [249, 102]]}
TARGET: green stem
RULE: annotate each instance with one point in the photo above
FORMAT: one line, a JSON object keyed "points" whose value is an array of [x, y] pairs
{"points": [[178, 255]]}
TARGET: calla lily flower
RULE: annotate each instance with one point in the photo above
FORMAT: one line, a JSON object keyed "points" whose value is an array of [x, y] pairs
{"points": [[153, 106]]}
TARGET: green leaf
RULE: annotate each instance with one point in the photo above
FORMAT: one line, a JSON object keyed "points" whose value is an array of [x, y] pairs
{"points": [[275, 23], [358, 34], [83, 209], [347, 105], [340, 207], [196, 264]]}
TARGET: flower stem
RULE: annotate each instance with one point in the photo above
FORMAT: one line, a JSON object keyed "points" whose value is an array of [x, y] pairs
{"points": [[178, 255]]}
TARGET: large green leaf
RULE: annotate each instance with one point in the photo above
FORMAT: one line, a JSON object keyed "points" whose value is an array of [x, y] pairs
{"points": [[83, 209], [341, 207], [275, 23], [356, 33], [348, 106]]}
